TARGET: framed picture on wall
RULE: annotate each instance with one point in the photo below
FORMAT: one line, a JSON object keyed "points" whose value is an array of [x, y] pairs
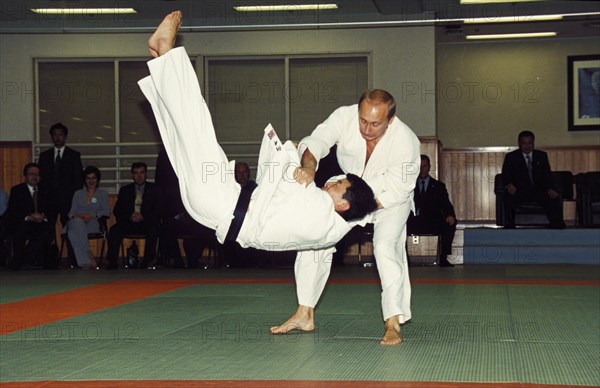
{"points": [[584, 92]]}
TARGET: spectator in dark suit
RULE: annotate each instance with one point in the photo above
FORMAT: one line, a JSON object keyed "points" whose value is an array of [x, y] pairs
{"points": [[236, 256], [136, 211], [61, 174], [526, 178], [28, 221], [3, 245], [434, 211], [176, 221], [3, 202]]}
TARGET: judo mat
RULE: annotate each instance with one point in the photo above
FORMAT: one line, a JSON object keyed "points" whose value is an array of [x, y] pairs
{"points": [[472, 326]]}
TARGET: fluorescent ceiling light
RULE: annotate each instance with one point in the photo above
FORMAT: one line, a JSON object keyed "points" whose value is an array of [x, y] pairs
{"points": [[289, 7], [495, 1], [83, 11], [527, 18], [512, 36], [514, 19]]}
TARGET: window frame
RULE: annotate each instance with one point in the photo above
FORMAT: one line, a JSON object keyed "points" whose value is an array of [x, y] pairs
{"points": [[120, 171]]}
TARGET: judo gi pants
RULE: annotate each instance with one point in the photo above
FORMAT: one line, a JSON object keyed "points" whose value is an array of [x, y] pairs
{"points": [[389, 243]]}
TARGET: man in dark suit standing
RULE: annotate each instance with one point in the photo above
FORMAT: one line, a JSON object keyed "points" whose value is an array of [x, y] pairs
{"points": [[526, 178], [61, 172], [434, 211], [28, 221], [136, 211]]}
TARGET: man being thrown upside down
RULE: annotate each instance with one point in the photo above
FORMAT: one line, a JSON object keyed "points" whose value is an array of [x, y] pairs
{"points": [[281, 214]]}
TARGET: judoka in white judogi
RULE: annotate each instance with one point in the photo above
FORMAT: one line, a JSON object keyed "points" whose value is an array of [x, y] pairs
{"points": [[391, 172], [283, 215]]}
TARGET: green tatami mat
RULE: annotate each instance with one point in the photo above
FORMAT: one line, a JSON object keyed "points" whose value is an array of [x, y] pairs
{"points": [[458, 333]]}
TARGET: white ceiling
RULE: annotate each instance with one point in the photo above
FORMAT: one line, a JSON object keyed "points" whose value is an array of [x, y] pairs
{"points": [[201, 15]]}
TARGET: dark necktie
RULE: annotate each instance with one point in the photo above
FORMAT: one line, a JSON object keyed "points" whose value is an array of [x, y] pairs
{"points": [[57, 165], [35, 199], [529, 167], [422, 186]]}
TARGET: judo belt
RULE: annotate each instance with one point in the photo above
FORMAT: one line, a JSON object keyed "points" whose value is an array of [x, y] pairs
{"points": [[241, 207]]}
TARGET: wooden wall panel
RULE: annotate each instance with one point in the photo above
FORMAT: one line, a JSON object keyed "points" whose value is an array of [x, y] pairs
{"points": [[469, 177], [14, 155], [574, 159]]}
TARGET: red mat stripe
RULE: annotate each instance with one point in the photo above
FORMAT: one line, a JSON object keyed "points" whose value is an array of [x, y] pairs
{"points": [[525, 282], [512, 282], [271, 383], [40, 310]]}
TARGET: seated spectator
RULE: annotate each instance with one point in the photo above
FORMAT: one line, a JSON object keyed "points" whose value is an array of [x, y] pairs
{"points": [[3, 202], [28, 223], [242, 175], [136, 211], [89, 204], [235, 255], [176, 221], [526, 178], [434, 212], [3, 246]]}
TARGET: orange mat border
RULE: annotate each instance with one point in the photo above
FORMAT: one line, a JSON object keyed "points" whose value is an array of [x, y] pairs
{"points": [[512, 282], [40, 310], [271, 384]]}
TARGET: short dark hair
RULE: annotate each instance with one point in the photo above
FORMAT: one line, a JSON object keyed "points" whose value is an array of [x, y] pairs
{"points": [[60, 126], [28, 166], [526, 134], [138, 165], [246, 166], [92, 170], [380, 96], [425, 157], [361, 198]]}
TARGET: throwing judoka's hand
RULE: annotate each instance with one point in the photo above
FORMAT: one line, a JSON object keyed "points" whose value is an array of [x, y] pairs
{"points": [[304, 175]]}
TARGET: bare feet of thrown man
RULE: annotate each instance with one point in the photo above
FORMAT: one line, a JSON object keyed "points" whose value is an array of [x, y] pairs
{"points": [[302, 320], [163, 38], [392, 332]]}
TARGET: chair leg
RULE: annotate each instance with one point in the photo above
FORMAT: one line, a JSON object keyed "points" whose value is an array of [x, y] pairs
{"points": [[359, 251], [62, 247], [122, 258], [63, 240], [101, 258]]}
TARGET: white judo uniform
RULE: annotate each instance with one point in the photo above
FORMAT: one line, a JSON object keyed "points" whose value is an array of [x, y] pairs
{"points": [[283, 215], [391, 172]]}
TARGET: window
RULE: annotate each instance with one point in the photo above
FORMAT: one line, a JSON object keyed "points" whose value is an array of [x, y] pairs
{"points": [[112, 125], [110, 122], [293, 93]]}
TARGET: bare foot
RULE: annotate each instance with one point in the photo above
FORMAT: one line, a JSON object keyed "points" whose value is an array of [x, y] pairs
{"points": [[302, 320], [392, 332], [163, 38]]}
